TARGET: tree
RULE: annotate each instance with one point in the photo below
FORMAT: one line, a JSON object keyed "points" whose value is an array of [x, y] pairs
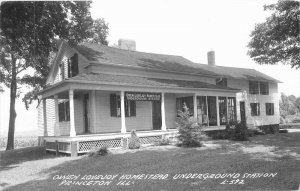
{"points": [[99, 31], [27, 37], [288, 105], [278, 38]]}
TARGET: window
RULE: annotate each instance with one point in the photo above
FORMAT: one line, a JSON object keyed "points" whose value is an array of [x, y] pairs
{"points": [[185, 100], [269, 108], [253, 87], [256, 87], [264, 88], [115, 107], [64, 111], [255, 109], [73, 66], [222, 110], [202, 117], [221, 82], [231, 109]]}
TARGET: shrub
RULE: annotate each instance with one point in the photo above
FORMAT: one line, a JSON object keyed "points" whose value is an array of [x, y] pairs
{"points": [[221, 135], [134, 141], [162, 142], [270, 129], [190, 133], [240, 132], [98, 152]]}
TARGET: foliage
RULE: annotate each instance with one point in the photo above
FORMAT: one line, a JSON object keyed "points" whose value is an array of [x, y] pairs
{"points": [[27, 38], [190, 133], [221, 135], [239, 132], [283, 131], [134, 141], [270, 129], [161, 142], [98, 152], [289, 105], [278, 38], [99, 31]]}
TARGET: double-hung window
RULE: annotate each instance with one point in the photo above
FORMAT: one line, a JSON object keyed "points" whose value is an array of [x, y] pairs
{"points": [[64, 111]]}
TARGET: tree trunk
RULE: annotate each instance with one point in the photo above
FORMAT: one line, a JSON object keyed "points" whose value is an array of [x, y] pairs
{"points": [[12, 114]]}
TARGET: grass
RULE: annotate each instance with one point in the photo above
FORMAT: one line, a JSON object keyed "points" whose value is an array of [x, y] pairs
{"points": [[30, 169], [20, 142]]}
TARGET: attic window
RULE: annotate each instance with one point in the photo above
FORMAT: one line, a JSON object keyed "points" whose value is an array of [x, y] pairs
{"points": [[221, 82], [73, 66]]}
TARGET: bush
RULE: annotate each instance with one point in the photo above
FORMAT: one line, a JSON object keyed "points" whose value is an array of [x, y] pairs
{"points": [[134, 141], [240, 132], [283, 131], [270, 129], [190, 133], [221, 135], [162, 142], [98, 152]]}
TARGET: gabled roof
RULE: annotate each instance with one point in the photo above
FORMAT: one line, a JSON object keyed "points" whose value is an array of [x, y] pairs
{"points": [[104, 54], [144, 82]]}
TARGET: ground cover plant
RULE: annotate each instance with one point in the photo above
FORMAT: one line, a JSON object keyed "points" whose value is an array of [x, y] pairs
{"points": [[134, 141], [272, 153]]}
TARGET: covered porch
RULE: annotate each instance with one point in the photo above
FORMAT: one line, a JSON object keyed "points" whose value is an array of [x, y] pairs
{"points": [[88, 115]]}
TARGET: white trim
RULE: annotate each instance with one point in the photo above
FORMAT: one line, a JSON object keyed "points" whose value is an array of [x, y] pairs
{"points": [[163, 113], [123, 123], [218, 111], [56, 130], [72, 114], [195, 106], [45, 117]]}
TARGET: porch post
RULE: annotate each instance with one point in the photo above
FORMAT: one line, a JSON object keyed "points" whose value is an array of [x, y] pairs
{"points": [[123, 124], [195, 106], [56, 131], [163, 113], [93, 109], [45, 118], [72, 117], [218, 113]]}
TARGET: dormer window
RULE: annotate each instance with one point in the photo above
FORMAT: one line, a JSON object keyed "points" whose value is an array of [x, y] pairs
{"points": [[221, 82], [73, 66]]}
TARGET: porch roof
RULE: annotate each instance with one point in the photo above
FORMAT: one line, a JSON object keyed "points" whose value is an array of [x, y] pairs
{"points": [[143, 81]]}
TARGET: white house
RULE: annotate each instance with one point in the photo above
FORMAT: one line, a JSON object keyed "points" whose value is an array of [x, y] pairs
{"points": [[96, 95]]}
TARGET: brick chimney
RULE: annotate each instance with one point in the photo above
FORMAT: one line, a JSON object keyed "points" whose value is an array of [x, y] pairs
{"points": [[211, 58], [127, 44]]}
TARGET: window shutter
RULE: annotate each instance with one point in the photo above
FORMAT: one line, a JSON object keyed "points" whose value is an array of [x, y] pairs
{"points": [[67, 106], [113, 105], [61, 112], [62, 70], [133, 108], [69, 67], [74, 65]]}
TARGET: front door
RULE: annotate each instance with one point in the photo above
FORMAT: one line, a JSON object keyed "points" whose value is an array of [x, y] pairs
{"points": [[243, 112], [86, 112], [156, 115]]}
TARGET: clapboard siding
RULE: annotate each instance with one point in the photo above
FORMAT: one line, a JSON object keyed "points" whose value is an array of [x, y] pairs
{"points": [[106, 123], [244, 95]]}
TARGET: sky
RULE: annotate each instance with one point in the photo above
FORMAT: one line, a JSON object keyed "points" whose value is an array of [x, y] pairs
{"points": [[189, 28]]}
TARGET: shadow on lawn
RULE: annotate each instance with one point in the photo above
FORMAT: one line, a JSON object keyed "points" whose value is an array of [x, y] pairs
{"points": [[14, 157]]}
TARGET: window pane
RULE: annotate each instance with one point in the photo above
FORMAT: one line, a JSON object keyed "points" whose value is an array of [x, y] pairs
{"points": [[269, 108], [253, 87], [222, 110], [212, 110], [231, 109], [255, 109], [264, 88], [202, 110]]}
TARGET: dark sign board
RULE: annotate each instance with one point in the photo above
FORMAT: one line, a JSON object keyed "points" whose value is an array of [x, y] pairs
{"points": [[142, 96]]}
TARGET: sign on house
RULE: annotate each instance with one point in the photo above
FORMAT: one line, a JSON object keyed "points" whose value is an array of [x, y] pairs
{"points": [[142, 96]]}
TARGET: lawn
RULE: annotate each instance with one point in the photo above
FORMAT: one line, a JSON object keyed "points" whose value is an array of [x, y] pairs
{"points": [[267, 162]]}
